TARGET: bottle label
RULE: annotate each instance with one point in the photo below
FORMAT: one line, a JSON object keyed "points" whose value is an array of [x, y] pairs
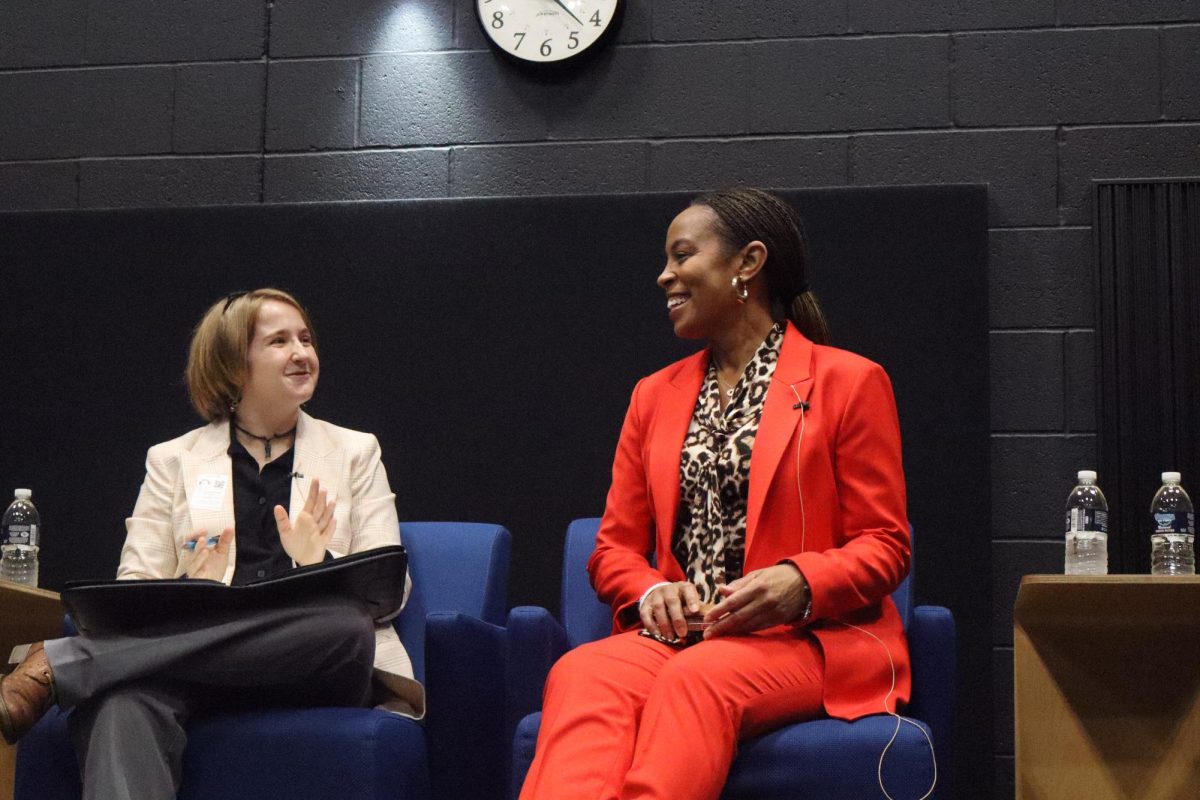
{"points": [[20, 534], [1175, 522], [1087, 519]]}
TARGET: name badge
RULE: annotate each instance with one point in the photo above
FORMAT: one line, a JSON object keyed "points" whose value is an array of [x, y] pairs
{"points": [[209, 491]]}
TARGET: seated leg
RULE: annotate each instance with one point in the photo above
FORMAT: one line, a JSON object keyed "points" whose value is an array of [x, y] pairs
{"points": [[326, 644], [593, 699], [710, 696], [130, 741]]}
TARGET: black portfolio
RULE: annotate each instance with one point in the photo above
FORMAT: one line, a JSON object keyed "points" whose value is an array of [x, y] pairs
{"points": [[376, 578]]}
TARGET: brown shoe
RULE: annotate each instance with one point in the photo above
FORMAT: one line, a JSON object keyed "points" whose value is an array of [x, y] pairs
{"points": [[26, 694]]}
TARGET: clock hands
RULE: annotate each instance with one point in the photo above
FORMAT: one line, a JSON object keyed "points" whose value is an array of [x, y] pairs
{"points": [[564, 8]]}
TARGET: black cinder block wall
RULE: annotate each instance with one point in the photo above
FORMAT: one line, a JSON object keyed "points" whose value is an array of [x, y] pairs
{"points": [[128, 103]]}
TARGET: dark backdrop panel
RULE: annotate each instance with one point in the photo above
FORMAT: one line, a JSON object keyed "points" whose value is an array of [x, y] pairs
{"points": [[490, 344], [1147, 252]]}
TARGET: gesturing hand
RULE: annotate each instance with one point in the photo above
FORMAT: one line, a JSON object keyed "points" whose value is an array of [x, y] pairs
{"points": [[664, 608], [305, 538], [208, 563], [763, 598]]}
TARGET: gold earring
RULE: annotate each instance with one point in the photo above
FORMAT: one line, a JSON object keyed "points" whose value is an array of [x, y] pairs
{"points": [[739, 289]]}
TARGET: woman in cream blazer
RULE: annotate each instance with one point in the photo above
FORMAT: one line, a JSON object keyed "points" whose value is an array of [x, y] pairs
{"points": [[292, 491]]}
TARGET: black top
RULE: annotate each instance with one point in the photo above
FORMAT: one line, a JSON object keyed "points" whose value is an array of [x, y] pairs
{"points": [[255, 495]]}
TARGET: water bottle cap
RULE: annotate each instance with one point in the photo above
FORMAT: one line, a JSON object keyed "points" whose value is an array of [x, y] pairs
{"points": [[23, 494], [1086, 476], [1171, 477]]}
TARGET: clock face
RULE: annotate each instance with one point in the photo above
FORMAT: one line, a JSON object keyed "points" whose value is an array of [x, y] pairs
{"points": [[546, 31]]}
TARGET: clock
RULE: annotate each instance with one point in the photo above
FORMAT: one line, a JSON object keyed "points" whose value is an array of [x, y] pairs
{"points": [[548, 31]]}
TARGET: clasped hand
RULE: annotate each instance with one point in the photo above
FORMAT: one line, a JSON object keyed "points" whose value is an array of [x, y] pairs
{"points": [[760, 599], [305, 538]]}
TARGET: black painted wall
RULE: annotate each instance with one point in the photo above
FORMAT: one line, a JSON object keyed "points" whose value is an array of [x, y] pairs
{"points": [[134, 103]]}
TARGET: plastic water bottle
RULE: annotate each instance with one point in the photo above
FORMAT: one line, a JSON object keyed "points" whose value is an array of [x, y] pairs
{"points": [[1087, 527], [20, 534], [1171, 551]]}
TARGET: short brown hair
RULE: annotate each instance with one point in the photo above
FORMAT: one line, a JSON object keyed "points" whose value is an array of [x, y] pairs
{"points": [[217, 358]]}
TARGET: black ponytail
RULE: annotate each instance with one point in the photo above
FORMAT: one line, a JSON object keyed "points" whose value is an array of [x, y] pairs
{"points": [[745, 215]]}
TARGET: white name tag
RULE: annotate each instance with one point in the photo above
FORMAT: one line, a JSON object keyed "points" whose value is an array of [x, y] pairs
{"points": [[209, 492]]}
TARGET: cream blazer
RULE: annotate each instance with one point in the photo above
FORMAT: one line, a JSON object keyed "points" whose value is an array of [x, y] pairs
{"points": [[177, 499]]}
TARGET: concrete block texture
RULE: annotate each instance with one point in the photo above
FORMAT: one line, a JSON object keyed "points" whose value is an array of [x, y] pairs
{"points": [[1027, 380], [1031, 478], [1181, 72], [637, 25], [454, 97], [141, 31], [1117, 12], [548, 169], [1046, 77], [89, 112], [884, 16], [1018, 165], [849, 84], [37, 186], [1082, 373], [681, 90], [312, 105], [1133, 151], [174, 181], [42, 33], [372, 175], [219, 107], [711, 163], [1040, 278], [687, 20], [1011, 561], [356, 27]]}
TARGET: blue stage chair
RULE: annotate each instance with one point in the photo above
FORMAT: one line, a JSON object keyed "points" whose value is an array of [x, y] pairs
{"points": [[825, 758], [450, 628]]}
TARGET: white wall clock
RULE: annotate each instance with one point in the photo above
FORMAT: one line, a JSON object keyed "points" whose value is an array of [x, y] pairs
{"points": [[548, 31]]}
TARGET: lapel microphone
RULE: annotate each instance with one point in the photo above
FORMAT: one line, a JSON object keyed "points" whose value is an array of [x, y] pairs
{"points": [[299, 475], [801, 405]]}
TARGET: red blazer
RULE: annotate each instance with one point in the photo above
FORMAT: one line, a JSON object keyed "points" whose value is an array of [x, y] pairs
{"points": [[847, 530]]}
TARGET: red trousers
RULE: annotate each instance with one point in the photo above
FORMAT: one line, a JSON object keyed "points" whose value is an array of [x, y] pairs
{"points": [[628, 717]]}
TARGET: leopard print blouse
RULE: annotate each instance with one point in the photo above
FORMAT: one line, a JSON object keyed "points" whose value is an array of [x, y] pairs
{"points": [[709, 540]]}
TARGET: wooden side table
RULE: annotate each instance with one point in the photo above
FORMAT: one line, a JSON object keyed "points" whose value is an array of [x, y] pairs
{"points": [[26, 615], [1107, 687]]}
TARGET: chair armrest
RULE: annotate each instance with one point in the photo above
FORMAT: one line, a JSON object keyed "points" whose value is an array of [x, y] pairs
{"points": [[464, 675], [535, 641], [931, 645]]}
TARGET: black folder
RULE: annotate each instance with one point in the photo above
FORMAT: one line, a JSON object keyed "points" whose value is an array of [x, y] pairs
{"points": [[375, 578]]}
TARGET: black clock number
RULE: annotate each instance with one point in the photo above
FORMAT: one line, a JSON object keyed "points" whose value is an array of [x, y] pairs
{"points": [[595, 19], [545, 48], [498, 19], [520, 38], [574, 37]]}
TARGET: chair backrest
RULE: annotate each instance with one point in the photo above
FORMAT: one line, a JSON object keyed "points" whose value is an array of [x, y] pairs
{"points": [[455, 566], [584, 617], [587, 619]]}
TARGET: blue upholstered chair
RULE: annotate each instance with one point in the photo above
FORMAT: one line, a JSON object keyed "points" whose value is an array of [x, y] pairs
{"points": [[825, 758], [450, 628]]}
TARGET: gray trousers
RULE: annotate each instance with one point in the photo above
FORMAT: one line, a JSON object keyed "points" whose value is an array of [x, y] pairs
{"points": [[132, 695]]}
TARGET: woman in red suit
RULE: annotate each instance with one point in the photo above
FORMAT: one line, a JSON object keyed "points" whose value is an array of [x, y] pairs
{"points": [[764, 473]]}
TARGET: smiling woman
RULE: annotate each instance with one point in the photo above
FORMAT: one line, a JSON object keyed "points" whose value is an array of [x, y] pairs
{"points": [[284, 490], [764, 473]]}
